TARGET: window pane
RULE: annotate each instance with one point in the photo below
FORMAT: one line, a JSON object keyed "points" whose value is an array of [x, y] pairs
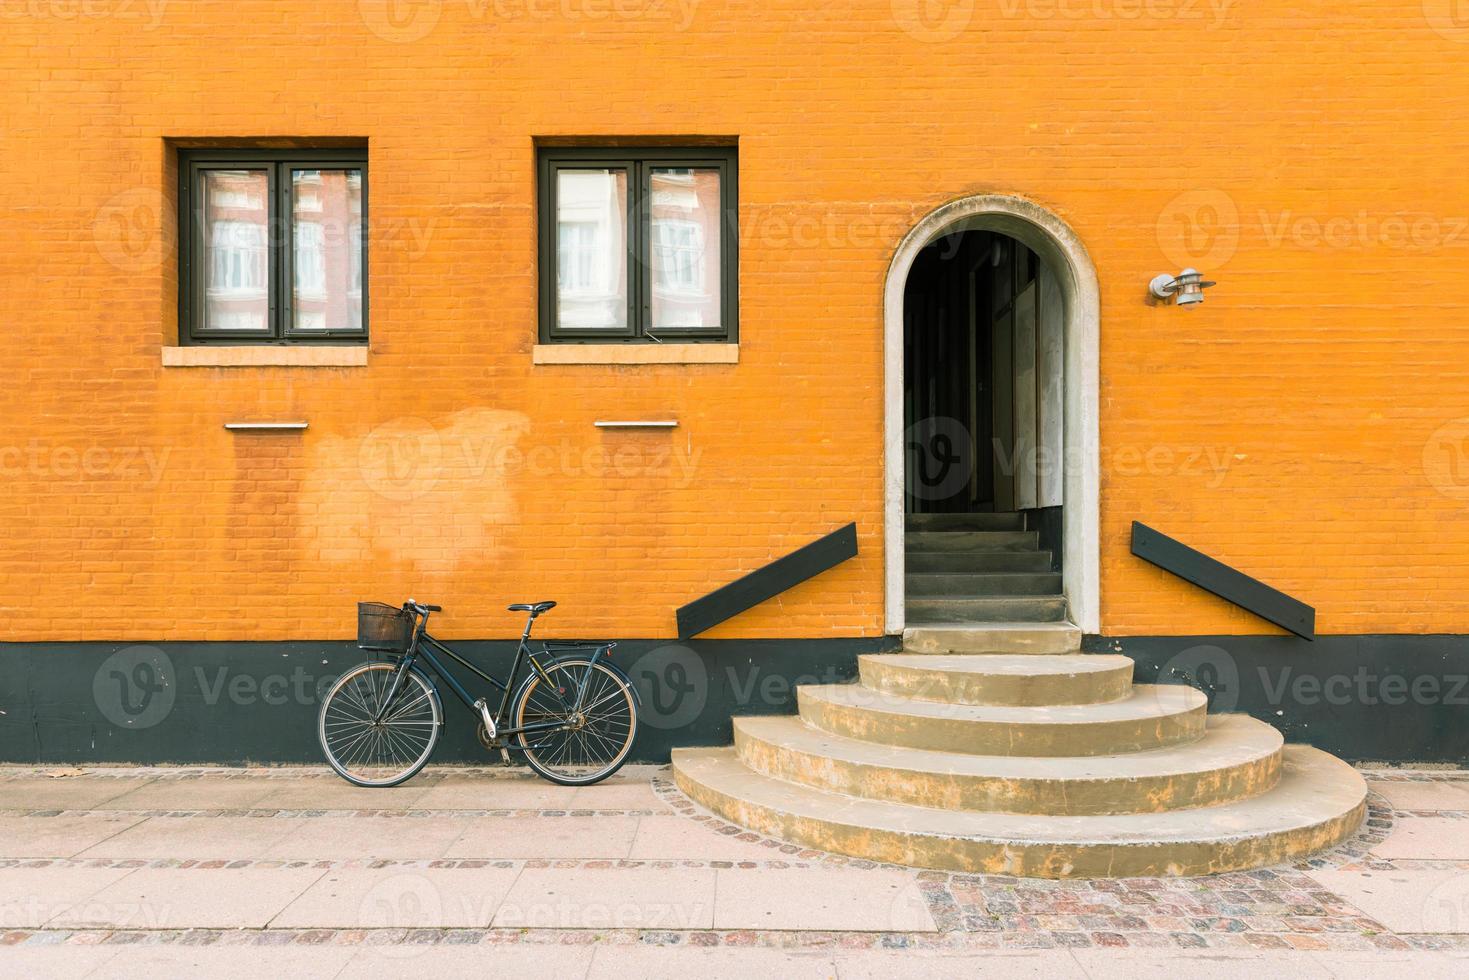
{"points": [[236, 259], [684, 247], [326, 236], [591, 249]]}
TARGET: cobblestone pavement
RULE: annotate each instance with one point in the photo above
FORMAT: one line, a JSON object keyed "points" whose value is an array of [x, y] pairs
{"points": [[120, 870]]}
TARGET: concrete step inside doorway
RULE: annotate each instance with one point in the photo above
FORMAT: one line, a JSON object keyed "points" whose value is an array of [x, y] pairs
{"points": [[1003, 749], [978, 568]]}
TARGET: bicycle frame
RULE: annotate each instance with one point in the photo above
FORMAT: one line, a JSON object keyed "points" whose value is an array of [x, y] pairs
{"points": [[426, 646]]}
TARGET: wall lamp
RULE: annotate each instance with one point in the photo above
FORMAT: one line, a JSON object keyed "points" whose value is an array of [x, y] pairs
{"points": [[1186, 288]]}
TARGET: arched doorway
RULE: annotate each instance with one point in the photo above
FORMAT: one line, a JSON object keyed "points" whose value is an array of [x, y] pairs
{"points": [[977, 266]]}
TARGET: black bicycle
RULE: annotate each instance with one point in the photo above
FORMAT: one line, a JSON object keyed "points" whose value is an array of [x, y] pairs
{"points": [[574, 716]]}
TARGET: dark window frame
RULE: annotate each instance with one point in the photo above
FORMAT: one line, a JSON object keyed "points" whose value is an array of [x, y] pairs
{"points": [[280, 251], [639, 162]]}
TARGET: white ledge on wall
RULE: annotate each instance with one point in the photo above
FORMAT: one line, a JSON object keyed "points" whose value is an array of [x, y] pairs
{"points": [[636, 354], [266, 356]]}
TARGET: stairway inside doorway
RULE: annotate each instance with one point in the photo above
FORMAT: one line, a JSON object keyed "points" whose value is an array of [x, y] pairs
{"points": [[963, 569]]}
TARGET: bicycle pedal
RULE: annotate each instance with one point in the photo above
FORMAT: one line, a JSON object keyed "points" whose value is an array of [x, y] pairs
{"points": [[505, 755]]}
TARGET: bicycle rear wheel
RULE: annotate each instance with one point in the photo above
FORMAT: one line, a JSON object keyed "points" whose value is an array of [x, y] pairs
{"points": [[391, 749], [596, 740]]}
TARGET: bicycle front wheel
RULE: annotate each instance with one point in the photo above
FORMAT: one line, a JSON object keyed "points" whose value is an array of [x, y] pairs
{"points": [[372, 747], [588, 745]]}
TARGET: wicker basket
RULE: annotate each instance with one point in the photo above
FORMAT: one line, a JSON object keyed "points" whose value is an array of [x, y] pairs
{"points": [[383, 627]]}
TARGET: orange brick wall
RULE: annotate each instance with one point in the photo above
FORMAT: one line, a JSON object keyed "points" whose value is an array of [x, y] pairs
{"points": [[1301, 424]]}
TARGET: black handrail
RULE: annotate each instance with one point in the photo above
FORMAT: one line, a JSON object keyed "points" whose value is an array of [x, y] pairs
{"points": [[1226, 582], [764, 583]]}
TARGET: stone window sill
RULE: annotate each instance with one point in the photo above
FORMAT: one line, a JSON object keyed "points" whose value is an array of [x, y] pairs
{"points": [[265, 356], [636, 354]]}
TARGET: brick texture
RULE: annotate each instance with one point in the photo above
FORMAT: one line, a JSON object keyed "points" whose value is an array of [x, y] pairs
{"points": [[1301, 424]]}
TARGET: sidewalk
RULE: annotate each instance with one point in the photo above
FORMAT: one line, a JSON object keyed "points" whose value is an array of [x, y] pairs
{"points": [[148, 871]]}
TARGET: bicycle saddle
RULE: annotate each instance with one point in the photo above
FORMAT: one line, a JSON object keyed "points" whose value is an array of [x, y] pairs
{"points": [[534, 608]]}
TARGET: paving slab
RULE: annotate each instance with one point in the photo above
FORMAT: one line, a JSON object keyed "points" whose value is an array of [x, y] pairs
{"points": [[332, 793], [610, 898], [679, 837], [386, 837], [397, 898], [822, 899], [1422, 794], [64, 792], [1408, 901], [632, 792], [197, 838], [29, 897], [199, 793], [57, 961], [545, 837], [1197, 964], [59, 837], [468, 793], [221, 963], [720, 963], [190, 898], [1053, 964], [1426, 838], [558, 960]]}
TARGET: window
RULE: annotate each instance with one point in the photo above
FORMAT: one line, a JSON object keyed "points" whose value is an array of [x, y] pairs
{"points": [[254, 221], [638, 245]]}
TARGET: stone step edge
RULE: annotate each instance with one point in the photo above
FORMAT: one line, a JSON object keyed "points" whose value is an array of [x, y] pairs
{"points": [[1015, 680], [811, 757], [1319, 802]]}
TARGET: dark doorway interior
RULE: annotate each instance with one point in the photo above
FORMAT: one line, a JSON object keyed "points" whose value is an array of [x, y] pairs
{"points": [[982, 385]]}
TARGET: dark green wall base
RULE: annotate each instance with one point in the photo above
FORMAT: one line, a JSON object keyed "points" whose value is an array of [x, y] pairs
{"points": [[240, 703], [1365, 698]]}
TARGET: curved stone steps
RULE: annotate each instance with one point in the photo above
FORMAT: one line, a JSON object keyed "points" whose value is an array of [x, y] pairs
{"points": [[1152, 717], [1238, 757], [1003, 679], [1318, 802]]}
